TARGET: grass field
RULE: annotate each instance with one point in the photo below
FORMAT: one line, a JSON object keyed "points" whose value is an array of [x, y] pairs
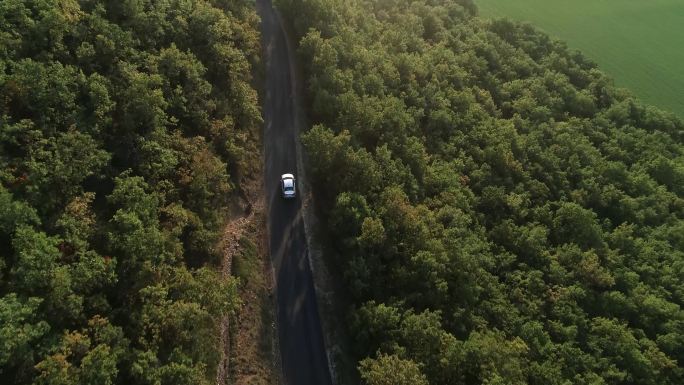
{"points": [[640, 43]]}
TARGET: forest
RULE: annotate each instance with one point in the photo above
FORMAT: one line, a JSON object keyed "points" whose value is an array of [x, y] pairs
{"points": [[498, 211], [125, 129]]}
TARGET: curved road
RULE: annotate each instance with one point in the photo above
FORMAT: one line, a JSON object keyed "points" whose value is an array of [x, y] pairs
{"points": [[303, 355]]}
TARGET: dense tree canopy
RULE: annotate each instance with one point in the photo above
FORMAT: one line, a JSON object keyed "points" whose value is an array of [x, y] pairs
{"points": [[500, 212], [125, 127]]}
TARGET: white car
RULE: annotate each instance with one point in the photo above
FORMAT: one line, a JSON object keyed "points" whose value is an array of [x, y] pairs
{"points": [[287, 185]]}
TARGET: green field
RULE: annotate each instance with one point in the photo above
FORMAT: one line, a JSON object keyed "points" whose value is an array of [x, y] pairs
{"points": [[640, 43]]}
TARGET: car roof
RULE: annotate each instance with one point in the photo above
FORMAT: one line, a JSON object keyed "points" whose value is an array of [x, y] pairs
{"points": [[287, 176]]}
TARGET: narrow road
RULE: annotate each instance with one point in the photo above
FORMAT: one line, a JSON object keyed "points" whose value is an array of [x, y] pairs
{"points": [[303, 355]]}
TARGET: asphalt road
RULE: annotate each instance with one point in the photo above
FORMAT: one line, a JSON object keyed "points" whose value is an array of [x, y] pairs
{"points": [[303, 356]]}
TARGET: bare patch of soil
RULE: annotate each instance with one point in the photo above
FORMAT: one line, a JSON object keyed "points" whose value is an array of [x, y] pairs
{"points": [[249, 337]]}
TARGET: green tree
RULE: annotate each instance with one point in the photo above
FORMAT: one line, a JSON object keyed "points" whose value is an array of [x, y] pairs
{"points": [[391, 370], [21, 329], [89, 357]]}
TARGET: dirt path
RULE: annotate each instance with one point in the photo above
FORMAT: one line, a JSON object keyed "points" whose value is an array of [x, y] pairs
{"points": [[247, 337], [302, 348], [231, 246]]}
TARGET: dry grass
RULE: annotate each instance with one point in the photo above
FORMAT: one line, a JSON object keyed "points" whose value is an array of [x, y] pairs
{"points": [[253, 350]]}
